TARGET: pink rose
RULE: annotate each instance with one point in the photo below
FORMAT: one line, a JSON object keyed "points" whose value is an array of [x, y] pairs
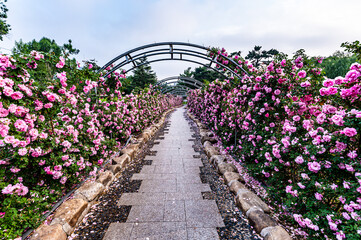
{"points": [[3, 112], [4, 130], [299, 160], [296, 118], [34, 133], [305, 84], [8, 91], [51, 97], [17, 95], [328, 83], [314, 166], [318, 196], [22, 151], [57, 168], [350, 132], [302, 73], [48, 105], [20, 125]]}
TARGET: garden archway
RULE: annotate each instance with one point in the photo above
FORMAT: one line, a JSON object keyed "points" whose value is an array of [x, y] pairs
{"points": [[169, 51]]}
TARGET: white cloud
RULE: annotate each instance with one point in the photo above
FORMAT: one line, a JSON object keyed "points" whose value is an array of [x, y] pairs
{"points": [[104, 29]]}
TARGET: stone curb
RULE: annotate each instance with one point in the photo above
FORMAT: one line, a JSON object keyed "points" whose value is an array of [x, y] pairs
{"points": [[251, 205], [70, 213]]}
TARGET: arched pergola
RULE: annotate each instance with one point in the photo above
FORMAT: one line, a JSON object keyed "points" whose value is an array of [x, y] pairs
{"points": [[176, 83], [180, 79], [176, 87], [169, 51]]}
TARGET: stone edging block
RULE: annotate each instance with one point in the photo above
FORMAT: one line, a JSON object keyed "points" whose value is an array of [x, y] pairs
{"points": [[72, 211], [255, 209]]}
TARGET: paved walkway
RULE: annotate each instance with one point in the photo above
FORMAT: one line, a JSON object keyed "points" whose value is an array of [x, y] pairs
{"points": [[169, 204]]}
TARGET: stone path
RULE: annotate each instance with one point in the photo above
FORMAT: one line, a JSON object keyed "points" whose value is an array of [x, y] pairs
{"points": [[169, 204]]}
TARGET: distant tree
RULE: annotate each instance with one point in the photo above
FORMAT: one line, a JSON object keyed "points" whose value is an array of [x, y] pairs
{"points": [[337, 64], [142, 77], [202, 74], [300, 53], [256, 56], [4, 27], [354, 47], [45, 45], [187, 73], [235, 54]]}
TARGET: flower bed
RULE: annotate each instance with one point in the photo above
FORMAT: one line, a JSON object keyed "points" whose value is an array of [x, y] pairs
{"points": [[298, 133], [54, 131]]}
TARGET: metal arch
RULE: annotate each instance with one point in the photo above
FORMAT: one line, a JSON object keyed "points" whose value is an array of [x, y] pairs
{"points": [[177, 87], [180, 93], [172, 82], [178, 90], [179, 59], [180, 79], [127, 57], [166, 59]]}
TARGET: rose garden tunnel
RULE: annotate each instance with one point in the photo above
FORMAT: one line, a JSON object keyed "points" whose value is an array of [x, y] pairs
{"points": [[172, 51]]}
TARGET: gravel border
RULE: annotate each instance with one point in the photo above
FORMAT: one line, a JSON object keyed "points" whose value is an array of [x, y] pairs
{"points": [[251, 205], [236, 224]]}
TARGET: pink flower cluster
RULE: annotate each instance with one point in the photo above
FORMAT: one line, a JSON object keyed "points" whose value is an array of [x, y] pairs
{"points": [[297, 130]]}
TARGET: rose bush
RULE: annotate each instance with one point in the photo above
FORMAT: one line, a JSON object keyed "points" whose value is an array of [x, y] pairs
{"points": [[298, 133], [55, 131]]}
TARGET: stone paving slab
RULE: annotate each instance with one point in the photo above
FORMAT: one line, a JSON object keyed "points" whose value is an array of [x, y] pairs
{"points": [[169, 203], [146, 213], [202, 233], [202, 213], [147, 169], [158, 176], [159, 186], [184, 196], [193, 187], [144, 230], [117, 231], [169, 168], [174, 211], [148, 198]]}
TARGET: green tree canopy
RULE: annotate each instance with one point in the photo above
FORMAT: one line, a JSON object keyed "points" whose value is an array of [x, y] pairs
{"points": [[256, 56], [202, 74], [45, 45], [337, 64], [142, 77], [354, 47], [4, 27]]}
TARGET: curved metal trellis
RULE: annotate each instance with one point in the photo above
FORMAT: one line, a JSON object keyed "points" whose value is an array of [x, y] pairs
{"points": [[180, 79], [178, 51], [176, 87], [174, 83], [178, 92]]}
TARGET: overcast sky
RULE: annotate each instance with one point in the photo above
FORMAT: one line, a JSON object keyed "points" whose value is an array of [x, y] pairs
{"points": [[103, 29]]}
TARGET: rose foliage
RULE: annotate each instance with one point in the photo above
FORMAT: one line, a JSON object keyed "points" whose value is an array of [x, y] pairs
{"points": [[298, 133], [55, 131]]}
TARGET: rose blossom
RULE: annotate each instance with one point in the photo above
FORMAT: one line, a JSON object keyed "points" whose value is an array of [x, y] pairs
{"points": [[20, 125], [17, 95], [318, 196], [328, 83], [349, 132], [302, 74], [314, 166], [305, 84], [8, 91], [48, 105], [22, 151], [51, 97], [299, 160]]}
